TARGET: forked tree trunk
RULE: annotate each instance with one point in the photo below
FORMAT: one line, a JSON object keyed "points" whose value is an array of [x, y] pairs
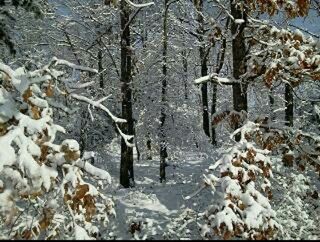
{"points": [[126, 165]]}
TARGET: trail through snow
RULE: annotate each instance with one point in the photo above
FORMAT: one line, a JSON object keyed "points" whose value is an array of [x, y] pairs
{"points": [[154, 210]]}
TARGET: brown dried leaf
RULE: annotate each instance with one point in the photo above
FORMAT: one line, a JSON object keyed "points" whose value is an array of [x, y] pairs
{"points": [[81, 191], [3, 129], [35, 112], [287, 159], [50, 90], [26, 95]]}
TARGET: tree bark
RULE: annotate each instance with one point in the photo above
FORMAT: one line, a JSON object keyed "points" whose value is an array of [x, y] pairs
{"points": [[289, 105], [271, 100], [220, 62], [163, 143], [213, 111], [239, 64], [204, 68], [100, 69], [149, 154], [185, 73], [126, 165]]}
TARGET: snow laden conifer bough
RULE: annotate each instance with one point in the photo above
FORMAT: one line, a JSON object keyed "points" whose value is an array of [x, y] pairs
{"points": [[37, 176]]}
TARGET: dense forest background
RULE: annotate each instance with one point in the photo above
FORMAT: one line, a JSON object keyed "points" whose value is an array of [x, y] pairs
{"points": [[171, 119]]}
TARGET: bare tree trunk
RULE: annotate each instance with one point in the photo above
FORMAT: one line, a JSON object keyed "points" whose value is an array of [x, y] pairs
{"points": [[149, 155], [126, 165], [213, 111], [83, 137], [100, 69], [185, 73], [163, 143], [289, 105], [136, 141], [204, 68], [220, 62], [239, 64], [271, 100]]}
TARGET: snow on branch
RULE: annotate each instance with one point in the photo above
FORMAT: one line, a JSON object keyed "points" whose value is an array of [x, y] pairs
{"points": [[241, 193], [98, 105], [56, 61], [81, 85], [136, 5], [125, 137], [94, 171], [34, 167], [214, 78], [7, 70]]}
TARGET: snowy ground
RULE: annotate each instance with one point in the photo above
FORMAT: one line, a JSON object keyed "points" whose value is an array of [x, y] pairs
{"points": [[161, 209]]}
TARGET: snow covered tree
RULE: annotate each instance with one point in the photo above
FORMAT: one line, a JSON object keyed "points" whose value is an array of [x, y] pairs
{"points": [[37, 175]]}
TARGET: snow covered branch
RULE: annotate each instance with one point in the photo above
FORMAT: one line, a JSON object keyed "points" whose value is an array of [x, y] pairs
{"points": [[98, 105], [114, 118], [56, 61], [215, 79], [7, 70], [142, 5], [94, 171], [30, 160], [239, 207]]}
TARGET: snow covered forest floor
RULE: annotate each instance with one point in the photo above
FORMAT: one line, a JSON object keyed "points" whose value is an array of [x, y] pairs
{"points": [[159, 210], [174, 210]]}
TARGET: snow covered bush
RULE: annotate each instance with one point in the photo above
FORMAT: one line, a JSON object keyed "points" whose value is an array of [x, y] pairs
{"points": [[45, 191], [241, 193], [297, 204]]}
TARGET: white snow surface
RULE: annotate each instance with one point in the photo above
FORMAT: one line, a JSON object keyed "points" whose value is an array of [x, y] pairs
{"points": [[160, 208]]}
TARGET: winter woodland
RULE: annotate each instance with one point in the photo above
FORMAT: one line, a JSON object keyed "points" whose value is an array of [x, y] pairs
{"points": [[159, 119]]}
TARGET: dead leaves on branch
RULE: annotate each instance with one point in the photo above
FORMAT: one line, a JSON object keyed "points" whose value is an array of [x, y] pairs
{"points": [[43, 224], [290, 148], [252, 165], [298, 8], [49, 90], [233, 118], [81, 200], [249, 166]]}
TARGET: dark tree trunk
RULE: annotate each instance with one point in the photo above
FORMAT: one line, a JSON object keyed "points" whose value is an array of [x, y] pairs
{"points": [[185, 73], [100, 69], [289, 105], [271, 100], [83, 137], [213, 111], [239, 64], [126, 166], [220, 62], [136, 141], [163, 143], [149, 155], [204, 68]]}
